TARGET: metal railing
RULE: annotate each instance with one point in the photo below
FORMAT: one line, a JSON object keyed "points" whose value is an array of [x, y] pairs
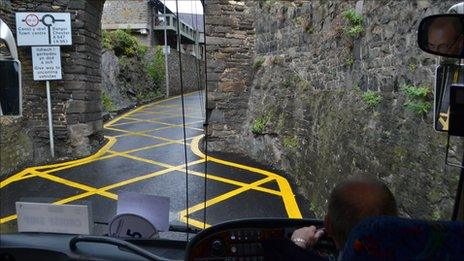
{"points": [[170, 22]]}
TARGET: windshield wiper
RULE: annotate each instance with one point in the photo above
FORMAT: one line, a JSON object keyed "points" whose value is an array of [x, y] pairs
{"points": [[184, 229]]}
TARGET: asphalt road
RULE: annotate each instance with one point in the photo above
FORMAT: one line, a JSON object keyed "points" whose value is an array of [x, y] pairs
{"points": [[145, 154]]}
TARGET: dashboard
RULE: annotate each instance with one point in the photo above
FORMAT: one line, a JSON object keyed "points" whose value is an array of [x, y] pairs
{"points": [[245, 239], [240, 240]]}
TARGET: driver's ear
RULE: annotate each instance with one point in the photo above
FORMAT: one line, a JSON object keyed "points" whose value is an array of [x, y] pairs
{"points": [[328, 225]]}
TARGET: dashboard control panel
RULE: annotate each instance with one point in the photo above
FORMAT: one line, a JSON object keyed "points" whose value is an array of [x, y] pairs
{"points": [[242, 240]]}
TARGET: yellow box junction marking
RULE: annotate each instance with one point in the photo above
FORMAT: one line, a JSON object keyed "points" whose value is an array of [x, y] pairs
{"points": [[288, 197], [44, 171]]}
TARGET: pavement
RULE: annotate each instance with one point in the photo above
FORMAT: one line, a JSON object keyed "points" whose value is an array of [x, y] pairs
{"points": [[145, 154]]}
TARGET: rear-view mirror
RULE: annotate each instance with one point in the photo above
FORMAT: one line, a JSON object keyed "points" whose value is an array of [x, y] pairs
{"points": [[442, 35]]}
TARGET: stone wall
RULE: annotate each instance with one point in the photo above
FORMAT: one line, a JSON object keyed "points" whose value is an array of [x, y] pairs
{"points": [[5, 11], [75, 99], [308, 82], [125, 14], [230, 38], [192, 71], [12, 132], [132, 14], [127, 83]]}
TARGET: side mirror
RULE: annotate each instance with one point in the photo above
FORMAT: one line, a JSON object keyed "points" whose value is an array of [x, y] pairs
{"points": [[10, 88], [442, 35], [10, 74]]}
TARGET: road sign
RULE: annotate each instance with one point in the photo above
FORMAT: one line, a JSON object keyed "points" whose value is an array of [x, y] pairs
{"points": [[46, 62], [33, 29]]}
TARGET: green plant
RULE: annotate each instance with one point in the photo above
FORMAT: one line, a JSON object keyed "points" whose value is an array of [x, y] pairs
{"points": [[413, 92], [123, 43], [291, 81], [304, 84], [418, 107], [124, 61], [258, 64], [106, 101], [353, 17], [372, 98], [312, 207], [349, 62], [333, 72], [290, 142], [259, 124], [412, 67], [270, 2], [309, 29], [156, 67], [354, 31], [356, 21], [106, 40], [417, 99]]}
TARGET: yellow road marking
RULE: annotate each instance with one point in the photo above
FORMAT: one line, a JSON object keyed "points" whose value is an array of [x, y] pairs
{"points": [[112, 155], [147, 131], [444, 120], [73, 184], [171, 114], [143, 134], [286, 192], [7, 219], [113, 186], [125, 123], [157, 129], [199, 174], [167, 124], [293, 211], [220, 198], [141, 108], [20, 175]]}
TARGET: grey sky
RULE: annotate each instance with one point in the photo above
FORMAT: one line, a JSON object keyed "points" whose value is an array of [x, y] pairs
{"points": [[185, 6]]}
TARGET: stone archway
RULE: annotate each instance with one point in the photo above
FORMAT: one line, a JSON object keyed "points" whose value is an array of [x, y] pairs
{"points": [[76, 100]]}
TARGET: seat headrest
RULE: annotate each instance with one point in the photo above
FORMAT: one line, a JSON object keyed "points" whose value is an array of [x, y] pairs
{"points": [[393, 238]]}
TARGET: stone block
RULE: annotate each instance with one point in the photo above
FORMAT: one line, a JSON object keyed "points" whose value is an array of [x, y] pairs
{"points": [[79, 106]]}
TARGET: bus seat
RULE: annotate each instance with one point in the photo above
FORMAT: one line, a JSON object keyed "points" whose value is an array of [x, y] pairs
{"points": [[393, 238]]}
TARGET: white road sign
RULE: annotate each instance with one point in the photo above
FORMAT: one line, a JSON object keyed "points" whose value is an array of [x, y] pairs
{"points": [[34, 29], [46, 63]]}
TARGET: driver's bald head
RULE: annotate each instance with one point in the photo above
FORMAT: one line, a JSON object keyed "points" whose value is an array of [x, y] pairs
{"points": [[445, 32], [356, 199]]}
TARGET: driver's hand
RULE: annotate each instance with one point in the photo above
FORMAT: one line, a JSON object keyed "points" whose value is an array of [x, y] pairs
{"points": [[307, 236]]}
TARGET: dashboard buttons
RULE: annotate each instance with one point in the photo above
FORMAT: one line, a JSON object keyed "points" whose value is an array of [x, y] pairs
{"points": [[217, 247]]}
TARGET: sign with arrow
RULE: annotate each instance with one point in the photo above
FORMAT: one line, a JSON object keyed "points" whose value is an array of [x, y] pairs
{"points": [[33, 29]]}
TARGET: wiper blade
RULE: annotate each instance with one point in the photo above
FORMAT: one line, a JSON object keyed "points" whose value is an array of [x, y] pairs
{"points": [[184, 229]]}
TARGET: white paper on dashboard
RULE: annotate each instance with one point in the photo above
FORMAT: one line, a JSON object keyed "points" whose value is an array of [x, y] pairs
{"points": [[153, 208], [50, 218]]}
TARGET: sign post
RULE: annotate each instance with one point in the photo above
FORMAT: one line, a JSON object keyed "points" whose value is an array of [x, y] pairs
{"points": [[46, 62], [45, 32], [50, 120]]}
